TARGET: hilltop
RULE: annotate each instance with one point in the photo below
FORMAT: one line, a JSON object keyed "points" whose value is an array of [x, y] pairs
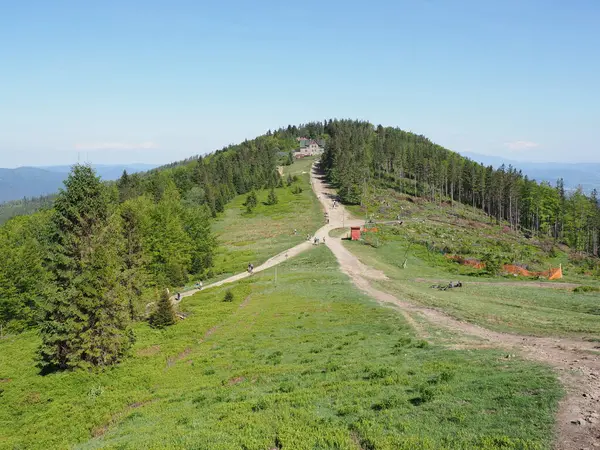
{"points": [[342, 345]]}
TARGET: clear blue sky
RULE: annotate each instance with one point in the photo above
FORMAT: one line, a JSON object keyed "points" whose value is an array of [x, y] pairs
{"points": [[156, 81]]}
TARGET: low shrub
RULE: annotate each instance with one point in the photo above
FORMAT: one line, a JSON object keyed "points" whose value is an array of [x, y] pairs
{"points": [[584, 289]]}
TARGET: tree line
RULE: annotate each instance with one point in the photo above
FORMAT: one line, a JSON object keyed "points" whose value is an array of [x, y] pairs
{"points": [[359, 153], [82, 269]]}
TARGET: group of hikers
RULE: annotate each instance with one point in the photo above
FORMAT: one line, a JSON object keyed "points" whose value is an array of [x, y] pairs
{"points": [[316, 240], [198, 287]]}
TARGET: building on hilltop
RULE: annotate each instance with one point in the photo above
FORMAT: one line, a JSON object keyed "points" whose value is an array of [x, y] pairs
{"points": [[309, 147]]}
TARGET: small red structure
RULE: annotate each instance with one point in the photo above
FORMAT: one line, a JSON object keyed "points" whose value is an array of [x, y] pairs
{"points": [[355, 233]]}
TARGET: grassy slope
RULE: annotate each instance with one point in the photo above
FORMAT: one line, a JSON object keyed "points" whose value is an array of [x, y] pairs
{"points": [[466, 231], [308, 362], [515, 308], [268, 230]]}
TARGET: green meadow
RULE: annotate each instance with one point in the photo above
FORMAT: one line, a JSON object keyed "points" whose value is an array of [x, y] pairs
{"points": [[304, 362]]}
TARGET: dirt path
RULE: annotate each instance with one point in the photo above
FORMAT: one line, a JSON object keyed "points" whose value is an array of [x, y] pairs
{"points": [[271, 262], [576, 362]]}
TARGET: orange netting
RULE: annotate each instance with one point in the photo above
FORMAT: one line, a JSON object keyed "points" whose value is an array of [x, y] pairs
{"points": [[467, 261], [551, 274]]}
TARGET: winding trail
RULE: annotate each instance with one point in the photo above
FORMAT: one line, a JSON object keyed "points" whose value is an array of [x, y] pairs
{"points": [[577, 362]]}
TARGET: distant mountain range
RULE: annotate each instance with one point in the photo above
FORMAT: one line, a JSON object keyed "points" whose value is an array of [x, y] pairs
{"points": [[586, 175], [35, 181]]}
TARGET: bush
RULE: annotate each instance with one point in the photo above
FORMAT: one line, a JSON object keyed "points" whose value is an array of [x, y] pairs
{"points": [[228, 296], [296, 190], [291, 179], [164, 314], [583, 289], [493, 263]]}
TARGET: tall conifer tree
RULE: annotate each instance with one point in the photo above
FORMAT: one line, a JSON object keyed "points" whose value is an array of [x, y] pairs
{"points": [[85, 316]]}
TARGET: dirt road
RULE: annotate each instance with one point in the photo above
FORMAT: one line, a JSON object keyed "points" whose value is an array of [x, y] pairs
{"points": [[576, 362]]}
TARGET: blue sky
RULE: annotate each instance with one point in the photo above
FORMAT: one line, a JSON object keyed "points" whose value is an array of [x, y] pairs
{"points": [[157, 81]]}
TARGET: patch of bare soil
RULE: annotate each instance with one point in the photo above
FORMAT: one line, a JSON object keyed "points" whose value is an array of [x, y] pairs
{"points": [[235, 381], [101, 430], [149, 351], [245, 302]]}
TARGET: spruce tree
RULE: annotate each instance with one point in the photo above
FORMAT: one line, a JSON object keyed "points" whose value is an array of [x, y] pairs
{"points": [[164, 314], [272, 198], [134, 215], [251, 201], [85, 318]]}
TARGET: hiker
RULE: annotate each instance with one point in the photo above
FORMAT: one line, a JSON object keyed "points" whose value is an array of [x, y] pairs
{"points": [[295, 232], [179, 296], [323, 239], [250, 268], [199, 285], [316, 241]]}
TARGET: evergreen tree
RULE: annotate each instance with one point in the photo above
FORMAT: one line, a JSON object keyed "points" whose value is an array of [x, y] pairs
{"points": [[272, 197], [251, 201], [134, 214], [85, 321], [164, 314], [167, 242]]}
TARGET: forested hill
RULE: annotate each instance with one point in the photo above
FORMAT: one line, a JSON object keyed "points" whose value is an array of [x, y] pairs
{"points": [[84, 268], [359, 153]]}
